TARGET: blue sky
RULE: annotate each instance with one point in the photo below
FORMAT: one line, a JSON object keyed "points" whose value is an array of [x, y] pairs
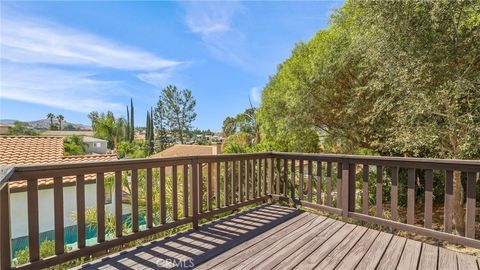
{"points": [[75, 57]]}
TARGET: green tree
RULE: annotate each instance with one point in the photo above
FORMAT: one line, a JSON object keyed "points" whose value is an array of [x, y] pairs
{"points": [[74, 145], [51, 116], [60, 119], [107, 127], [20, 128], [160, 124], [178, 107], [396, 78]]}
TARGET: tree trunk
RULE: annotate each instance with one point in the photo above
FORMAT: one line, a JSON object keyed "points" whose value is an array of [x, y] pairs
{"points": [[458, 211]]}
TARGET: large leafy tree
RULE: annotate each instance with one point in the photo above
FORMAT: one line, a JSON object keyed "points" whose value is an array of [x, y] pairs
{"points": [[107, 127], [398, 78], [177, 108]]}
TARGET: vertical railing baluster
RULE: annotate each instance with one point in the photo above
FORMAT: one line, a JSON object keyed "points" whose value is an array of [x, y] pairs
{"points": [[301, 179], [259, 179], [100, 186], [329, 184], [319, 182], [365, 203], [240, 180], [394, 194], [278, 173], [345, 186], [309, 180], [33, 225], [174, 192], [118, 203], [195, 181], [351, 187], [233, 183], [217, 185], [471, 202], [246, 175], [209, 186], [270, 175], [428, 199], [5, 231], [58, 214], [379, 192], [265, 176], [149, 198], [411, 196], [81, 211], [254, 185], [225, 184], [448, 216], [185, 190], [285, 177], [200, 187], [339, 185], [292, 178], [163, 208], [134, 184]]}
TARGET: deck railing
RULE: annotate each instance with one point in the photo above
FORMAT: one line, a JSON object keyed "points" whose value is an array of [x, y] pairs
{"points": [[212, 185]]}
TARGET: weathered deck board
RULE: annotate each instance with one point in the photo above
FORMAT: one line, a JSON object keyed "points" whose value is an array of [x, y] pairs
{"points": [[277, 237]]}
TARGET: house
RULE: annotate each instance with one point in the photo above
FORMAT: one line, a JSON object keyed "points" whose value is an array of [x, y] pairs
{"points": [[189, 150], [179, 150], [4, 129], [95, 145], [23, 150]]}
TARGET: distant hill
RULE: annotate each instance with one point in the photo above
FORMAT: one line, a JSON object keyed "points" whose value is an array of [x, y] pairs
{"points": [[44, 124]]}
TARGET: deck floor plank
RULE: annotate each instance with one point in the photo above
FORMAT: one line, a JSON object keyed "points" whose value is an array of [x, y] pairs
{"points": [[429, 257], [375, 253], [447, 259], [321, 252], [410, 255], [392, 253], [339, 252], [271, 236], [359, 250]]}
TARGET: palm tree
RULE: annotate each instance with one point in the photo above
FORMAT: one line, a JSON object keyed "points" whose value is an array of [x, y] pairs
{"points": [[50, 117], [60, 119]]}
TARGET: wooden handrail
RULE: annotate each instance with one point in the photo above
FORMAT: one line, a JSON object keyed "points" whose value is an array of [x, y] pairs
{"points": [[305, 179]]}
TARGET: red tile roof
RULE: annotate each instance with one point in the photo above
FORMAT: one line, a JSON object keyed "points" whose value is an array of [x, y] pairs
{"points": [[188, 150], [22, 150]]}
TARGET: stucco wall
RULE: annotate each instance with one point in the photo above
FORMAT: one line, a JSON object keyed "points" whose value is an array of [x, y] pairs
{"points": [[18, 207]]}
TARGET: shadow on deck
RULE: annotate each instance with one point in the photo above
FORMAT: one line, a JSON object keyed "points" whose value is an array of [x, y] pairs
{"points": [[276, 237]]}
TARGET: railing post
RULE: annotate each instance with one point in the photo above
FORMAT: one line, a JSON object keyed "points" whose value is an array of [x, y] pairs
{"points": [[5, 234], [270, 175], [194, 194], [348, 188]]}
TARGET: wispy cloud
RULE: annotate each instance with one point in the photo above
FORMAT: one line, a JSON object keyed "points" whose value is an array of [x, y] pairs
{"points": [[75, 91], [158, 79], [255, 95], [214, 23], [31, 40]]}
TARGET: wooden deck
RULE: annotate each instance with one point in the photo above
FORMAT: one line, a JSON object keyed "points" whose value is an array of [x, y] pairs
{"points": [[276, 237]]}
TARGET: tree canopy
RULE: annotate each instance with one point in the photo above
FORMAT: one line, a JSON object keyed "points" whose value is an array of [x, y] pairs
{"points": [[398, 78]]}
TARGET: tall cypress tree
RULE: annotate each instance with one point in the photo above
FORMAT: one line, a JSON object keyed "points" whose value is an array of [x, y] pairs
{"points": [[132, 125], [127, 126]]}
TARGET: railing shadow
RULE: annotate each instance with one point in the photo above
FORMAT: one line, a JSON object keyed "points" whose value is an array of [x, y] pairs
{"points": [[193, 247]]}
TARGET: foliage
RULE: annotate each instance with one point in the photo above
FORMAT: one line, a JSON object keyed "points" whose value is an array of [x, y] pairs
{"points": [[244, 122], [398, 78], [134, 149], [160, 124], [130, 124], [175, 111], [237, 143], [51, 116], [20, 128], [150, 133], [60, 119], [74, 145], [47, 249], [107, 127]]}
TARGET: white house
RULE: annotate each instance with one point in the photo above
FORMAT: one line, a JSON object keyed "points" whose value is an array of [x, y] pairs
{"points": [[95, 145], [21, 150]]}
